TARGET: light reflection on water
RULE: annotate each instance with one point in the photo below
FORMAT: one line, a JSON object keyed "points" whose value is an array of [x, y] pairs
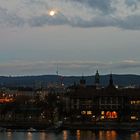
{"points": [[9, 135], [135, 136], [71, 135], [42, 136], [108, 135], [78, 134], [29, 136], [65, 135]]}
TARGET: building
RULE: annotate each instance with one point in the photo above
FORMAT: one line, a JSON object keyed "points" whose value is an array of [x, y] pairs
{"points": [[94, 103]]}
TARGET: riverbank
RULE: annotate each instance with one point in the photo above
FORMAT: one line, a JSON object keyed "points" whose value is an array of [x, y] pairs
{"points": [[25, 125], [42, 126], [132, 126]]}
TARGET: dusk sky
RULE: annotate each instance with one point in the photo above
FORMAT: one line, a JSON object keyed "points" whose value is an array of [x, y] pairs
{"points": [[79, 36]]}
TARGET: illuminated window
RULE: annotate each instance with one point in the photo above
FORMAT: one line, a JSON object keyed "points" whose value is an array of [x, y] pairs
{"points": [[111, 115], [137, 102], [114, 114], [133, 118], [102, 117], [108, 114], [89, 112], [102, 112], [83, 112]]}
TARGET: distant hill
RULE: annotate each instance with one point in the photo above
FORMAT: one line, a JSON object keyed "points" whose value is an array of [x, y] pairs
{"points": [[43, 80]]}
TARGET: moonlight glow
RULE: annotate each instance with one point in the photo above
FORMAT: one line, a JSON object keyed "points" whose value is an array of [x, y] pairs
{"points": [[52, 13]]}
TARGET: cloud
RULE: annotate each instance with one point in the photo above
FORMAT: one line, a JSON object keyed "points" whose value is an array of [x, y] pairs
{"points": [[78, 13], [10, 19], [128, 64], [103, 6], [130, 22], [65, 67], [47, 20]]}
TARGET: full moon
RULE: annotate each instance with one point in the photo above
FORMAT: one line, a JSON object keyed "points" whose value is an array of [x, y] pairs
{"points": [[52, 13]]}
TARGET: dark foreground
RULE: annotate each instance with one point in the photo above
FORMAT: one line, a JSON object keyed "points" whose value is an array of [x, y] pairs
{"points": [[38, 126], [104, 126]]}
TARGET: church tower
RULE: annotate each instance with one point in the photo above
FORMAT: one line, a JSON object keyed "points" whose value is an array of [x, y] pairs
{"points": [[111, 80], [82, 82], [97, 79]]}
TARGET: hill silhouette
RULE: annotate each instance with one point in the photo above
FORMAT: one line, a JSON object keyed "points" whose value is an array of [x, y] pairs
{"points": [[44, 80]]}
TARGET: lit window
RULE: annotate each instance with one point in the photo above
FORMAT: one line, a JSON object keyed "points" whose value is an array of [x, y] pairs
{"points": [[138, 102], [102, 112], [111, 115], [108, 114], [133, 117], [135, 102], [83, 112], [102, 117], [89, 112], [114, 114]]}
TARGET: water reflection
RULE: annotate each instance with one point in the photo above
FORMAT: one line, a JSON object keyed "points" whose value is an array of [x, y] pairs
{"points": [[135, 136], [9, 135], [65, 135], [87, 134], [111, 135], [78, 134], [71, 135], [29, 136], [104, 135], [107, 135], [43, 136]]}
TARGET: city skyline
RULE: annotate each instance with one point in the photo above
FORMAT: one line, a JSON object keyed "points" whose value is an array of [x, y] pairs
{"points": [[78, 36]]}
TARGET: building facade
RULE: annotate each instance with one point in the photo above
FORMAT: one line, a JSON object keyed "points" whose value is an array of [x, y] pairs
{"points": [[94, 103]]}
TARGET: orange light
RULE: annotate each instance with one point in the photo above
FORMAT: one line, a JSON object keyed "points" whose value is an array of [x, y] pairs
{"points": [[6, 100], [111, 115]]}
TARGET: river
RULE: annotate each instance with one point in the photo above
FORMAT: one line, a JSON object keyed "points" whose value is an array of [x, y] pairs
{"points": [[71, 135]]}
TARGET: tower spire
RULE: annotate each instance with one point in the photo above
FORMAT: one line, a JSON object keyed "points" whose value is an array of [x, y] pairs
{"points": [[111, 79], [82, 81], [97, 78], [57, 73]]}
